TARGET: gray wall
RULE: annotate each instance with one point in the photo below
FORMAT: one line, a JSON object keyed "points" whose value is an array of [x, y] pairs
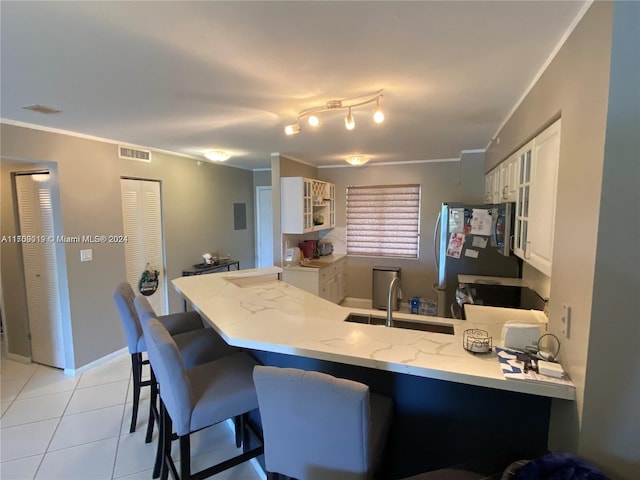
{"points": [[611, 419], [458, 181], [597, 206], [198, 217]]}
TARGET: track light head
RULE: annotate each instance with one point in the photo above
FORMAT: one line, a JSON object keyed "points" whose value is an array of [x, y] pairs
{"points": [[349, 121], [292, 129], [378, 114], [314, 120]]}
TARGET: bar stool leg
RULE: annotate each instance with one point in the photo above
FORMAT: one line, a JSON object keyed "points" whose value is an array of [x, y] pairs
{"points": [[237, 422], [153, 407], [185, 457], [136, 366]]}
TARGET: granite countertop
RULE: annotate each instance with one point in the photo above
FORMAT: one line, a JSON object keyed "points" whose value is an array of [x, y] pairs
{"points": [[253, 309]]}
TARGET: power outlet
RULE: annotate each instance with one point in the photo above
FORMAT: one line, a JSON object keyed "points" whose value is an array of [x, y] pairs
{"points": [[86, 255], [566, 320]]}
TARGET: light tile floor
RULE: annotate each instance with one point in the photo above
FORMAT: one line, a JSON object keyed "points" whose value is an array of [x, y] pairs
{"points": [[54, 426]]}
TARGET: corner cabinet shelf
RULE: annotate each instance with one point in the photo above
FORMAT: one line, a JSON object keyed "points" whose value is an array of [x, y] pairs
{"points": [[307, 205]]}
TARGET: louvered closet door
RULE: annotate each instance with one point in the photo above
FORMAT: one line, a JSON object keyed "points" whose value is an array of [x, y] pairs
{"points": [[40, 270], [142, 222]]}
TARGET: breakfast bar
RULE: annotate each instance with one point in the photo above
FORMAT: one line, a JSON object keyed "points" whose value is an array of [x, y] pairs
{"points": [[451, 406]]}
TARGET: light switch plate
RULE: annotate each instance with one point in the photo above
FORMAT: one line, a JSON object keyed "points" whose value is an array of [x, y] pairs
{"points": [[86, 255]]}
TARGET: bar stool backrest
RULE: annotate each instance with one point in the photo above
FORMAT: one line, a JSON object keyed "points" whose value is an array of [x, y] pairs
{"points": [[123, 298], [170, 372], [315, 425]]}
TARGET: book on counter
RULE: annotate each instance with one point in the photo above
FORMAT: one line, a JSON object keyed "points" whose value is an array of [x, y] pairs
{"points": [[514, 369]]}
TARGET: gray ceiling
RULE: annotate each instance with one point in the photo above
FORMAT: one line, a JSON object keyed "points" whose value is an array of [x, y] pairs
{"points": [[188, 77]]}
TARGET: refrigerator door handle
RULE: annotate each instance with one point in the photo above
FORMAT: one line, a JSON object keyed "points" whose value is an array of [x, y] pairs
{"points": [[436, 242]]}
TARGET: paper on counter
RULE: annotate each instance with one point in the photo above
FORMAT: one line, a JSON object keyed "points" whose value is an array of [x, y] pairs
{"points": [[481, 222]]}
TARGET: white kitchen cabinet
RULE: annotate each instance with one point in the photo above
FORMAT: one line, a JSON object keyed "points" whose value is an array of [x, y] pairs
{"points": [[542, 207], [501, 183], [521, 227], [508, 183], [492, 186], [307, 205], [536, 201], [328, 282]]}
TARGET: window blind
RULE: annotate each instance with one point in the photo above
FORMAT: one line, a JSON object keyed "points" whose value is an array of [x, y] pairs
{"points": [[383, 220]]}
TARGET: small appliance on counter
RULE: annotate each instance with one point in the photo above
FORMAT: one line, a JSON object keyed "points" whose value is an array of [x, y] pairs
{"points": [[291, 256], [325, 248], [309, 248]]}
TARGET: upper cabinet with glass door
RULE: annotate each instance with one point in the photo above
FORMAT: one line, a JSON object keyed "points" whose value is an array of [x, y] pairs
{"points": [[538, 163], [307, 205]]}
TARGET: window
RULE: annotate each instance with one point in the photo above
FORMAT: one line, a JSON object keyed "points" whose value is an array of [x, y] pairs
{"points": [[383, 220]]}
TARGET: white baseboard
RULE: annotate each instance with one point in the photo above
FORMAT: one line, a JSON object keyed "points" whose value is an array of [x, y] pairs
{"points": [[18, 358], [74, 371]]}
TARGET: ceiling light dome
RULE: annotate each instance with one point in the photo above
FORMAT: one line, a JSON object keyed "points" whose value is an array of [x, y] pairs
{"points": [[217, 156], [357, 160]]}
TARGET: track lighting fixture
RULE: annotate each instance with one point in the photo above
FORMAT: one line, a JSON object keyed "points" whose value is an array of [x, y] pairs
{"points": [[314, 120]]}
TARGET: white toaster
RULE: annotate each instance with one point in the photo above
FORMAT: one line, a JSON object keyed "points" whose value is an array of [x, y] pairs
{"points": [[520, 335]]}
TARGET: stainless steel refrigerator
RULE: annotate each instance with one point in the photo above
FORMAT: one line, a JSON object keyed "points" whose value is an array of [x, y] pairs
{"points": [[472, 240]]}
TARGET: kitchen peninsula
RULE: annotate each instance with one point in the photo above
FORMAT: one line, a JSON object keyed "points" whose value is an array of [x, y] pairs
{"points": [[451, 406]]}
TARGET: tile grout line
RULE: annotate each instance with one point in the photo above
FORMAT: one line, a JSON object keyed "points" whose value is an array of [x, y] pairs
{"points": [[19, 392], [75, 387], [124, 409]]}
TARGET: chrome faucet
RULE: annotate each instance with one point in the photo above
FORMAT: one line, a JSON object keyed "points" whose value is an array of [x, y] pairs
{"points": [[394, 286]]}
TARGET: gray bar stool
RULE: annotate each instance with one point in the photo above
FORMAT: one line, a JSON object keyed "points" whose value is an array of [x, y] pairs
{"points": [[198, 345], [317, 426], [195, 398]]}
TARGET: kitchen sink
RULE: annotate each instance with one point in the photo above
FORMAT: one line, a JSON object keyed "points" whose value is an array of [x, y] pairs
{"points": [[400, 323]]}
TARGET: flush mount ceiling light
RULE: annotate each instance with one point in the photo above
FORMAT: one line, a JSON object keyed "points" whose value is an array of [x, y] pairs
{"points": [[357, 160], [313, 118], [42, 109], [217, 156]]}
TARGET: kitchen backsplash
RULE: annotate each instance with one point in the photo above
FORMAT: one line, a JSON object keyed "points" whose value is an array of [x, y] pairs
{"points": [[337, 236]]}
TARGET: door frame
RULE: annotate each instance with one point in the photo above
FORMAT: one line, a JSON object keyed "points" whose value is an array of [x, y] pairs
{"points": [[165, 289], [61, 263], [259, 234]]}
